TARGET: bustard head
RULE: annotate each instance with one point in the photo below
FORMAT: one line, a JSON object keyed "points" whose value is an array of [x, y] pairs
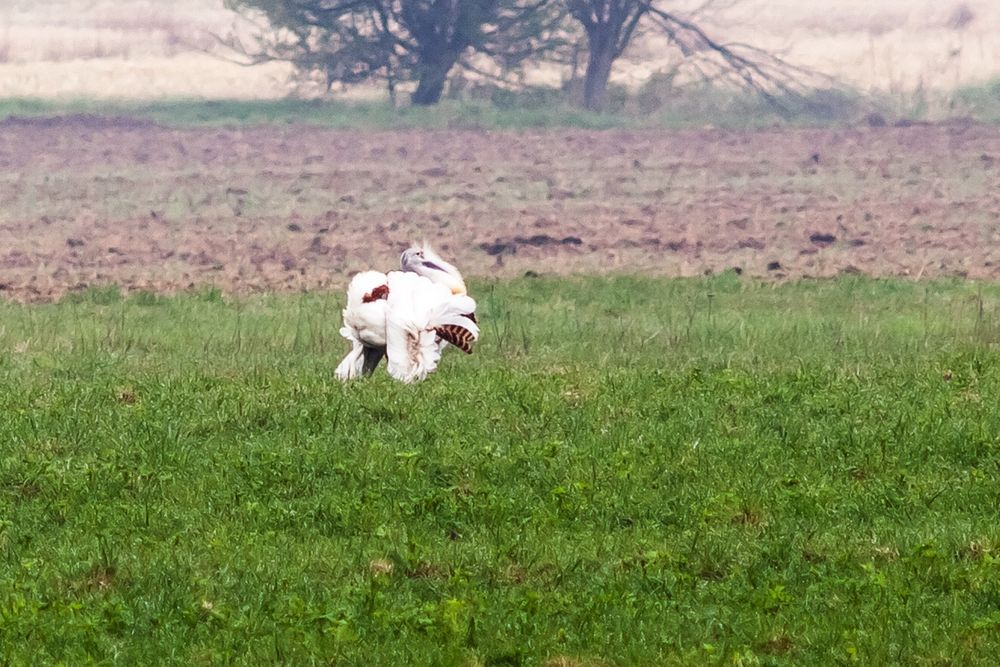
{"points": [[423, 261]]}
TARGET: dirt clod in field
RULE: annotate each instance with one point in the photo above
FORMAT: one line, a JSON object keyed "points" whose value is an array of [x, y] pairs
{"points": [[87, 200], [821, 239], [498, 248]]}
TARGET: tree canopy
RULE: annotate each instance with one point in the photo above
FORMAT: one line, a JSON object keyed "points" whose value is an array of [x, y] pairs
{"points": [[402, 40]]}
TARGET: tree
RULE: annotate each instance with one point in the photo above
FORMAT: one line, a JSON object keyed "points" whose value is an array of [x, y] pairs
{"points": [[423, 41], [399, 40], [611, 25]]}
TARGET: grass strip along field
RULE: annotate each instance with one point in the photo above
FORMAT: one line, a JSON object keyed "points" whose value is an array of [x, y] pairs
{"points": [[676, 108], [628, 471]]}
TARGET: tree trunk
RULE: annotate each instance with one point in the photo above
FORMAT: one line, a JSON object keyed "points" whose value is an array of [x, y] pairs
{"points": [[432, 78], [599, 62]]}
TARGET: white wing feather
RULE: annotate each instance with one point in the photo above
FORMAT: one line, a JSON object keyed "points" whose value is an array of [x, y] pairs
{"points": [[351, 366], [415, 307], [364, 323]]}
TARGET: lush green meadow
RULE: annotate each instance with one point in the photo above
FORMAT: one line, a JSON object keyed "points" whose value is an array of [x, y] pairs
{"points": [[628, 471]]}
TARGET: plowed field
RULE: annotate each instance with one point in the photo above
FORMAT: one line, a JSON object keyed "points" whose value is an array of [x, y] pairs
{"points": [[90, 201]]}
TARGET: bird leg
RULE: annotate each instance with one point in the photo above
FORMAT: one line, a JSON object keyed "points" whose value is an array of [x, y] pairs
{"points": [[373, 355]]}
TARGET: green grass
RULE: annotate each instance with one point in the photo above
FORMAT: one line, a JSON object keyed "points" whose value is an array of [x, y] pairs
{"points": [[654, 106], [344, 115], [628, 471], [982, 102], [650, 108], [658, 104]]}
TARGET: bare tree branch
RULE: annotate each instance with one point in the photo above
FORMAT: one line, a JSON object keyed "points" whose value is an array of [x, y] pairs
{"points": [[762, 72]]}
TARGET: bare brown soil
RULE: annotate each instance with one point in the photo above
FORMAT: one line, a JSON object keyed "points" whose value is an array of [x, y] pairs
{"points": [[87, 201]]}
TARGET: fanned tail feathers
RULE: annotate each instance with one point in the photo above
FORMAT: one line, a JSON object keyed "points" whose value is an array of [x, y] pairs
{"points": [[457, 335], [456, 323]]}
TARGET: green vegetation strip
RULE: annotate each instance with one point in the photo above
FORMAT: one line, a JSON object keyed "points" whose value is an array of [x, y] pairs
{"points": [[651, 107], [628, 471], [344, 115], [529, 110]]}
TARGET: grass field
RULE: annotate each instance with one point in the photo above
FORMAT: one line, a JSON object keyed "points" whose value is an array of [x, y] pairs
{"points": [[526, 110], [539, 108], [346, 115], [628, 471]]}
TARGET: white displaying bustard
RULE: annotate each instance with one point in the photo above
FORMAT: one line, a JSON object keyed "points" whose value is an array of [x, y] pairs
{"points": [[407, 316]]}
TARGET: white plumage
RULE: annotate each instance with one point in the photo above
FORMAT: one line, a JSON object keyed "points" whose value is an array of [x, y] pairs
{"points": [[408, 316], [364, 325]]}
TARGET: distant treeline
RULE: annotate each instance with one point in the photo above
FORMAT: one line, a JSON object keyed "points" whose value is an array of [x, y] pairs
{"points": [[426, 42]]}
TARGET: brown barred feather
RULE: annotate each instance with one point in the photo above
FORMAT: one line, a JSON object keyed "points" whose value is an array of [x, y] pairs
{"points": [[457, 335]]}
